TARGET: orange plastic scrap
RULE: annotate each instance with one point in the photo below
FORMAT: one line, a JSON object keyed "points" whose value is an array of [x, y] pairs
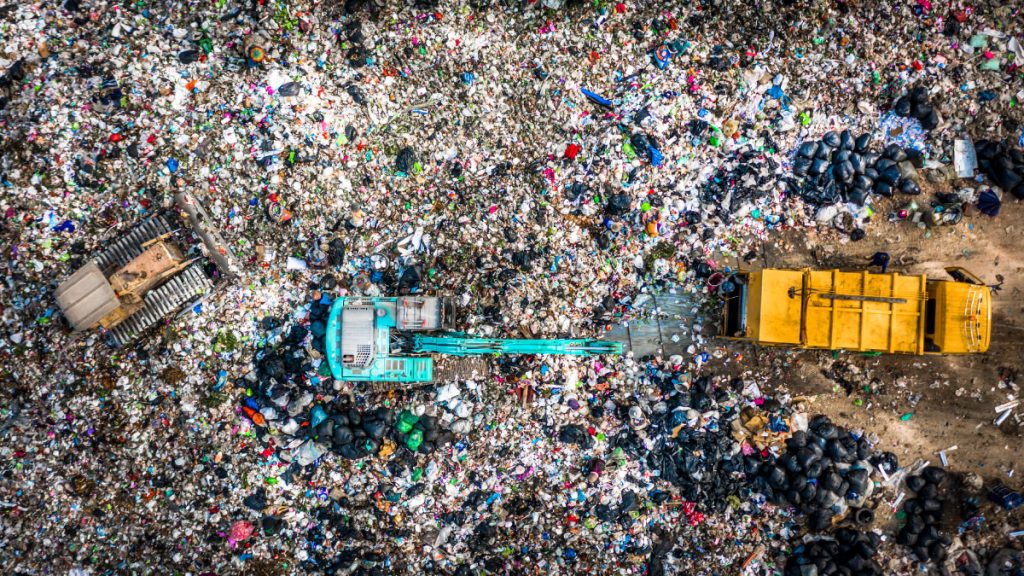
{"points": [[255, 416]]}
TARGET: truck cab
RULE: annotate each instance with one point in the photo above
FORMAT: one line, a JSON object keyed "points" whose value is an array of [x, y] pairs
{"points": [[861, 311]]}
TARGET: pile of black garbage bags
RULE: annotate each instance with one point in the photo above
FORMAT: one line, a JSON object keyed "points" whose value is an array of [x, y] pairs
{"points": [[703, 462], [916, 105], [1003, 164], [923, 515], [842, 167], [824, 472], [850, 553]]}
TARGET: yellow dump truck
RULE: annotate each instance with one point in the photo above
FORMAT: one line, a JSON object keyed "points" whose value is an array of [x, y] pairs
{"points": [[862, 311]]}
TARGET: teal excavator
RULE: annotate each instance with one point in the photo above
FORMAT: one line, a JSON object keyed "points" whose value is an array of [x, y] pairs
{"points": [[391, 339]]}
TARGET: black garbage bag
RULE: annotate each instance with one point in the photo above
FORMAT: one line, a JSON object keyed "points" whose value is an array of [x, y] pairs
{"points": [[188, 56], [915, 524], [846, 141], [336, 252], [341, 435], [318, 328], [831, 139], [797, 440], [889, 172], [818, 167], [807, 150], [986, 149], [909, 187], [405, 160], [862, 143], [374, 428], [521, 259], [920, 110], [629, 503], [272, 366], [902, 107], [354, 91], [823, 427], [989, 203], [409, 279], [271, 524], [576, 191], [933, 474], [257, 500], [857, 162], [352, 451], [863, 182], [618, 204], [325, 429], [776, 476], [930, 121], [1001, 170], [819, 520], [296, 334], [641, 146], [830, 480], [801, 165], [289, 89], [895, 153], [575, 434], [887, 461], [604, 513], [858, 480]]}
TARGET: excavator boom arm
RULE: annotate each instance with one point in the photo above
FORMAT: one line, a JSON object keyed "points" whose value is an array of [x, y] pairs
{"points": [[459, 345]]}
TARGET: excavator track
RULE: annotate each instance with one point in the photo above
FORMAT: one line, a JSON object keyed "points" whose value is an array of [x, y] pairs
{"points": [[447, 370], [128, 246], [460, 369], [186, 286]]}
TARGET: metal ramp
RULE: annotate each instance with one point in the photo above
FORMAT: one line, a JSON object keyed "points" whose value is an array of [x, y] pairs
{"points": [[654, 330], [184, 287], [127, 247]]}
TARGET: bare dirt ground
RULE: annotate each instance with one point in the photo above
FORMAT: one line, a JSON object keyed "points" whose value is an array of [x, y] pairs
{"points": [[951, 399]]}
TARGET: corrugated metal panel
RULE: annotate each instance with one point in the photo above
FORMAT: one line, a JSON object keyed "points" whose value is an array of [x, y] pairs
{"points": [[86, 297], [357, 335], [863, 311], [777, 319]]}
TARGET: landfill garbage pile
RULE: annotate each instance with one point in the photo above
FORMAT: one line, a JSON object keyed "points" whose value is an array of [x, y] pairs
{"points": [[848, 552], [547, 166], [824, 472], [921, 530], [1006, 562], [842, 167], [692, 447], [1003, 163]]}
